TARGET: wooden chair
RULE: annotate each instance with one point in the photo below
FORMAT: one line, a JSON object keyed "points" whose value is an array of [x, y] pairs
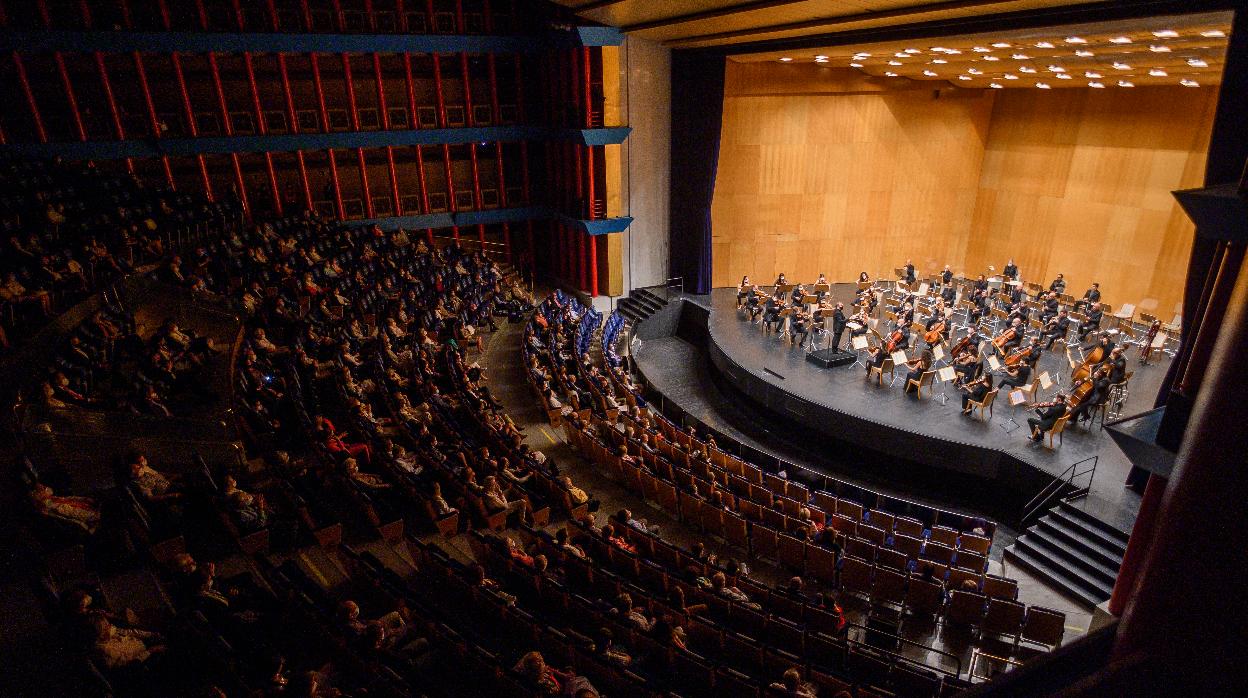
{"points": [[888, 366], [1058, 427], [986, 404], [924, 381]]}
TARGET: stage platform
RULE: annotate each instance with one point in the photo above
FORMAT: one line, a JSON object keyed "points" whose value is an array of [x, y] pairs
{"points": [[705, 357]]}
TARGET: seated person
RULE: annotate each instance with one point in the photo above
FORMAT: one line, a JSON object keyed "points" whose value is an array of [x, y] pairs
{"points": [[83, 512], [1017, 377], [1046, 417], [249, 512], [122, 648]]}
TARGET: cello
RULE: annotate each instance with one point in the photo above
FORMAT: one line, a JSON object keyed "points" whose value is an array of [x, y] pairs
{"points": [[935, 334], [891, 345], [1000, 340], [1019, 356], [1084, 370]]}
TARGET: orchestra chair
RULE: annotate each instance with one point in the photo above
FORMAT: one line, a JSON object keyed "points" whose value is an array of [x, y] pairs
{"points": [[1032, 390], [986, 405], [1058, 427], [887, 365], [924, 381]]}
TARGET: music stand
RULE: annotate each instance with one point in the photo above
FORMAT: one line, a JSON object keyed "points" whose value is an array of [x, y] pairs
{"points": [[994, 363], [938, 354], [786, 317], [899, 359], [860, 345], [1015, 397], [946, 376]]}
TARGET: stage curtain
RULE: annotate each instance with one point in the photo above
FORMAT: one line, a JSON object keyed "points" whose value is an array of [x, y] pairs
{"points": [[697, 113]]}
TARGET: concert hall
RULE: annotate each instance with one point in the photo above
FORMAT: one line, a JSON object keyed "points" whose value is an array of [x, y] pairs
{"points": [[623, 348]]}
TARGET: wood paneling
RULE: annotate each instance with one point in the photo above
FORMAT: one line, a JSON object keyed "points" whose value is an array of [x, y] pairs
{"points": [[822, 176]]}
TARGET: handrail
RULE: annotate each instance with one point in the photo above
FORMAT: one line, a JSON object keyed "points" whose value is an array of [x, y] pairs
{"points": [[1045, 496], [957, 661], [976, 654]]}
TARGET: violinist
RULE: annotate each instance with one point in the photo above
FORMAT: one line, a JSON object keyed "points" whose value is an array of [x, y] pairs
{"points": [[799, 292], [966, 359], [864, 278], [1090, 297], [771, 313], [1098, 396], [860, 319], [981, 284], [975, 391], [1034, 351], [1010, 271], [1046, 416], [754, 302], [1050, 306], [1095, 314], [800, 327], [918, 366], [908, 274], [875, 358], [1016, 376], [1056, 329], [838, 325], [821, 281], [1117, 363], [743, 290], [1058, 285], [781, 281]]}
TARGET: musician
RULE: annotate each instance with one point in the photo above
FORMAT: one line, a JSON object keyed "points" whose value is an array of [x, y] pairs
{"points": [[800, 327], [949, 293], [918, 367], [1034, 351], [1010, 271], [1051, 307], [967, 362], [1047, 415], [1016, 376], [979, 306], [771, 313], [1095, 314], [838, 325], [781, 281], [1098, 396], [864, 278], [909, 276], [1016, 337], [799, 292], [743, 290], [1106, 343], [1056, 328], [861, 318], [1090, 297], [975, 391], [753, 302], [1017, 294], [900, 339], [1017, 311], [821, 281], [981, 284], [1058, 285], [946, 276], [1117, 363], [875, 358], [937, 319]]}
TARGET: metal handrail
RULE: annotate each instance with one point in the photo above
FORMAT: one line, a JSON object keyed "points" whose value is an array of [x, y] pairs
{"points": [[976, 654], [957, 661], [1041, 501]]}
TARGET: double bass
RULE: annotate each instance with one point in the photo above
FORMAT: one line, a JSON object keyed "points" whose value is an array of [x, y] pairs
{"points": [[1084, 370]]}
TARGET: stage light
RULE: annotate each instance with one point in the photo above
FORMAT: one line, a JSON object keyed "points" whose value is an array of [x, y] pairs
{"points": [[953, 52], [995, 85], [929, 73], [1021, 57], [1125, 83], [1197, 63], [913, 50], [1044, 44], [1084, 54], [901, 54], [964, 77], [1063, 76], [1165, 34], [1042, 85], [1001, 44], [1158, 73], [894, 62], [821, 58], [786, 59], [982, 49], [1009, 76], [939, 61], [1121, 66], [1097, 85], [855, 65], [1189, 83], [1056, 69], [991, 58], [1120, 40], [1158, 48], [1213, 34], [1026, 69], [1076, 40], [974, 71], [890, 74], [1092, 74]]}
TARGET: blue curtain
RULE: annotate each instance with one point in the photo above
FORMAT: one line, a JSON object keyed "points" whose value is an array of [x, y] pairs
{"points": [[697, 111]]}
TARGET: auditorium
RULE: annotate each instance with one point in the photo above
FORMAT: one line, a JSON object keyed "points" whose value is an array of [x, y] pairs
{"points": [[623, 348]]}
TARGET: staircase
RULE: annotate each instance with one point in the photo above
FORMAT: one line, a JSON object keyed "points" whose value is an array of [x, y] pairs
{"points": [[1073, 551], [640, 304]]}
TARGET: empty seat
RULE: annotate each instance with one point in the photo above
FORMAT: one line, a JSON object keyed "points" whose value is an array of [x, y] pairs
{"points": [[1000, 587], [971, 560], [791, 552], [860, 547], [937, 552], [909, 545], [850, 508], [763, 541], [856, 576], [892, 559], [908, 525], [966, 608], [924, 598], [874, 534], [844, 525], [974, 543], [821, 563], [888, 588], [1044, 626], [1004, 618], [944, 535]]}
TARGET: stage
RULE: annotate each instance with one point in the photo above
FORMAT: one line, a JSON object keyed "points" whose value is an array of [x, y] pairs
{"points": [[878, 435]]}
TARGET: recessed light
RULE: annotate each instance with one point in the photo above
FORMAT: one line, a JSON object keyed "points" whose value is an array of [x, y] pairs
{"points": [[901, 54], [1158, 73], [1097, 85], [1165, 34], [1001, 44], [890, 74], [1189, 83], [929, 73], [1084, 54], [1121, 66], [821, 58], [991, 58], [1158, 48], [1008, 76], [964, 77], [1026, 69], [786, 59], [1063, 76], [1021, 57], [1042, 85], [862, 54], [1197, 63], [982, 49], [1044, 44], [953, 52], [974, 71], [894, 62], [1125, 83], [995, 85], [1213, 34], [855, 65], [1056, 69], [913, 50], [1120, 40], [1076, 40], [1092, 74], [939, 61]]}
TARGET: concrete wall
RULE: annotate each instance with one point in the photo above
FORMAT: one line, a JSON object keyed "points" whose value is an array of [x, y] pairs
{"points": [[646, 86]]}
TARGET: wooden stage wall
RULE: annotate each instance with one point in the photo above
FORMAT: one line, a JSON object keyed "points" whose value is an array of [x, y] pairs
{"points": [[821, 170]]}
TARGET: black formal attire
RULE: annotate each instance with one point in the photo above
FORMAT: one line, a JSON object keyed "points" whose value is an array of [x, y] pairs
{"points": [[1117, 370], [1100, 392], [1046, 418], [1093, 322], [1058, 331], [949, 294], [1021, 378], [909, 273], [838, 327], [1010, 271], [877, 359], [1058, 286], [1089, 297], [771, 315], [975, 394]]}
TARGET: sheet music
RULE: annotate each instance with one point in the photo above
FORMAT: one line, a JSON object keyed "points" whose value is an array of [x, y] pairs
{"points": [[859, 343], [947, 374], [994, 363], [899, 358], [1046, 381], [938, 352], [1017, 397]]}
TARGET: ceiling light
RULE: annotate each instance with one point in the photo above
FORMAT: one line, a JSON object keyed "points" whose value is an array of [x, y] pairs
{"points": [[1097, 85], [1001, 44], [1063, 76], [991, 58], [929, 73], [1026, 69], [1076, 40], [1165, 34], [913, 50], [1121, 66], [862, 54], [1008, 76], [890, 74], [1056, 69], [1044, 44], [939, 61], [974, 71], [1158, 73], [1021, 57], [1120, 40], [1213, 34], [1189, 83], [995, 85], [1042, 85], [952, 52], [1197, 63], [1092, 74], [901, 54], [855, 65], [1125, 83], [1158, 48], [964, 77], [1084, 54], [821, 58], [786, 59], [894, 62], [982, 49]]}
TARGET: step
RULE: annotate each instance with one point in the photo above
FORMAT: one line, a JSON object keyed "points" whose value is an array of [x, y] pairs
{"points": [[1108, 529], [1073, 586], [1097, 537], [647, 300], [1072, 557], [1077, 538], [650, 295]]}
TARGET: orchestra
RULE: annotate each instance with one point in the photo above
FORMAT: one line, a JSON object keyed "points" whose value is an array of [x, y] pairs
{"points": [[803, 309]]}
